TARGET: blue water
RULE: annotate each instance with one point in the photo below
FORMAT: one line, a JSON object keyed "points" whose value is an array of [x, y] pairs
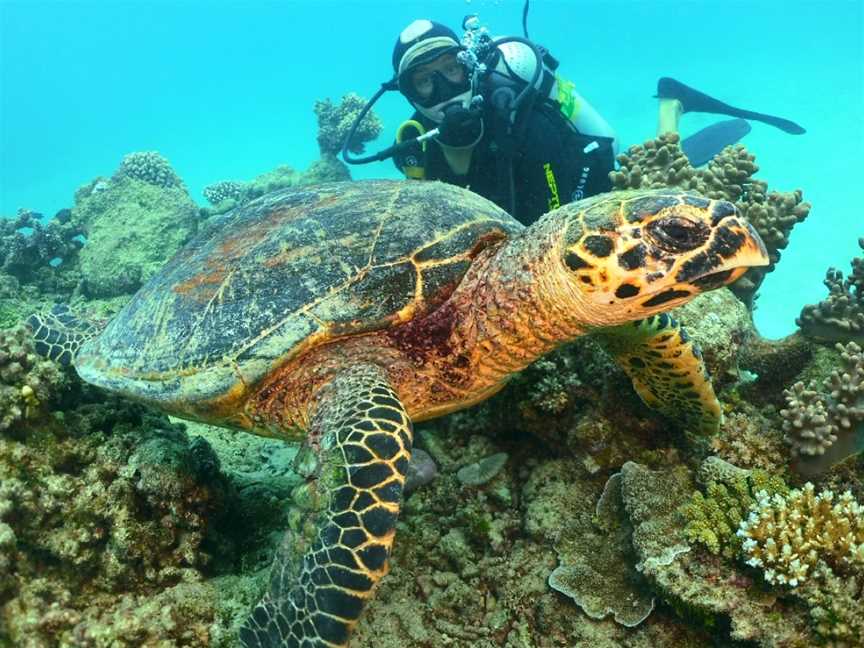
{"points": [[225, 91]]}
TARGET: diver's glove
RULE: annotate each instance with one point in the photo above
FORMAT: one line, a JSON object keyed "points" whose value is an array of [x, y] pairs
{"points": [[460, 126]]}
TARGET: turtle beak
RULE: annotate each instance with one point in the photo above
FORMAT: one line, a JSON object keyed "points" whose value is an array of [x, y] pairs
{"points": [[732, 248], [738, 247]]}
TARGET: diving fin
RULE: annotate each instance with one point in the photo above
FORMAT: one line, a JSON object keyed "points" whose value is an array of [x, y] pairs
{"points": [[703, 145], [694, 101]]}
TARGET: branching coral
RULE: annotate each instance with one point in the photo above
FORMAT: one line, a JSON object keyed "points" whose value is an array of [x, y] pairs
{"points": [[334, 124], [813, 544], [792, 536], [826, 425], [661, 163], [839, 317], [150, 167]]}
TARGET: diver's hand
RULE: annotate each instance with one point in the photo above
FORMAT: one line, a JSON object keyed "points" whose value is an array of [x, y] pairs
{"points": [[457, 122]]}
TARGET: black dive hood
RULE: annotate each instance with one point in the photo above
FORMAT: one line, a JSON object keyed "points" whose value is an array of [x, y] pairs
{"points": [[393, 84], [485, 53]]}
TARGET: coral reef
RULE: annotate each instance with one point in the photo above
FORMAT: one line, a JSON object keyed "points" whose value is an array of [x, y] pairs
{"points": [[840, 317], [813, 544], [150, 167], [750, 439], [228, 194], [713, 517], [133, 223], [30, 249], [334, 124], [28, 383], [225, 190], [792, 536], [729, 176], [826, 425], [700, 587], [597, 579]]}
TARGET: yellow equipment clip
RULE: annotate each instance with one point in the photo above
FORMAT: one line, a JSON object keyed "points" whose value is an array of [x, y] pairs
{"points": [[413, 163]]}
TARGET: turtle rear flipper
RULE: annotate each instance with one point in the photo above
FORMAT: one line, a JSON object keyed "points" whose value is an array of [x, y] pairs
{"points": [[667, 370], [59, 334], [336, 550]]}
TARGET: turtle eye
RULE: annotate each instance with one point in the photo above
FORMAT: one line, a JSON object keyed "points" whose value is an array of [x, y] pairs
{"points": [[676, 234]]}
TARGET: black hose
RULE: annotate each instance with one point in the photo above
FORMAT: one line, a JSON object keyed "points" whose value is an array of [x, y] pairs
{"points": [[525, 19], [380, 155]]}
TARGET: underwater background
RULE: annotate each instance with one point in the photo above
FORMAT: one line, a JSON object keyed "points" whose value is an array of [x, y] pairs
{"points": [[565, 511], [225, 91]]}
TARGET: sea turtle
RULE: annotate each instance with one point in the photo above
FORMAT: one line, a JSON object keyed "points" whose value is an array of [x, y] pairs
{"points": [[339, 314]]}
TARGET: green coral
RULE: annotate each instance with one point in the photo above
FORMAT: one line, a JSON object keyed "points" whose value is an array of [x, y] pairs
{"points": [[714, 516], [133, 227]]}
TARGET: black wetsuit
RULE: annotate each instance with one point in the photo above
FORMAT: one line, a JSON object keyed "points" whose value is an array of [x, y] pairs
{"points": [[550, 163]]}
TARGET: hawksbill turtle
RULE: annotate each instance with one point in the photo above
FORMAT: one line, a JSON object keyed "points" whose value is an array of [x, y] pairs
{"points": [[336, 315]]}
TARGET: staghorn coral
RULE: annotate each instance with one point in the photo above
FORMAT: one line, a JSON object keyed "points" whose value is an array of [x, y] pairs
{"points": [[150, 167], [826, 425], [791, 536], [839, 317], [28, 383], [334, 124], [729, 176]]}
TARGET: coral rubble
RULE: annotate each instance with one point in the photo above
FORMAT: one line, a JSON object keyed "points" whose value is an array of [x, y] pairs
{"points": [[839, 317]]}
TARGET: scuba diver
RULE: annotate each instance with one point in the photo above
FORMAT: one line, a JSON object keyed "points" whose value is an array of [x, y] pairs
{"points": [[492, 115]]}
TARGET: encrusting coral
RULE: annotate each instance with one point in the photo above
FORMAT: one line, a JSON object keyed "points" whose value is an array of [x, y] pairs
{"points": [[826, 425], [27, 381], [791, 536], [334, 124], [839, 317], [133, 222], [662, 163]]}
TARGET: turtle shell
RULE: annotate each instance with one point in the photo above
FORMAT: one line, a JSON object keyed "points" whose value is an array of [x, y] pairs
{"points": [[284, 273]]}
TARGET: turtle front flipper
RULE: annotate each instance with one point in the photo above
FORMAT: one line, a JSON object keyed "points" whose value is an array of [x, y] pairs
{"points": [[667, 370], [336, 551], [59, 334]]}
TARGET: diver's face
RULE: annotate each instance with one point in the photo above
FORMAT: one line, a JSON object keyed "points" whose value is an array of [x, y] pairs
{"points": [[423, 78]]}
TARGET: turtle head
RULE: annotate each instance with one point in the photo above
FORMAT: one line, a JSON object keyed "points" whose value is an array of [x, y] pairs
{"points": [[631, 254]]}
